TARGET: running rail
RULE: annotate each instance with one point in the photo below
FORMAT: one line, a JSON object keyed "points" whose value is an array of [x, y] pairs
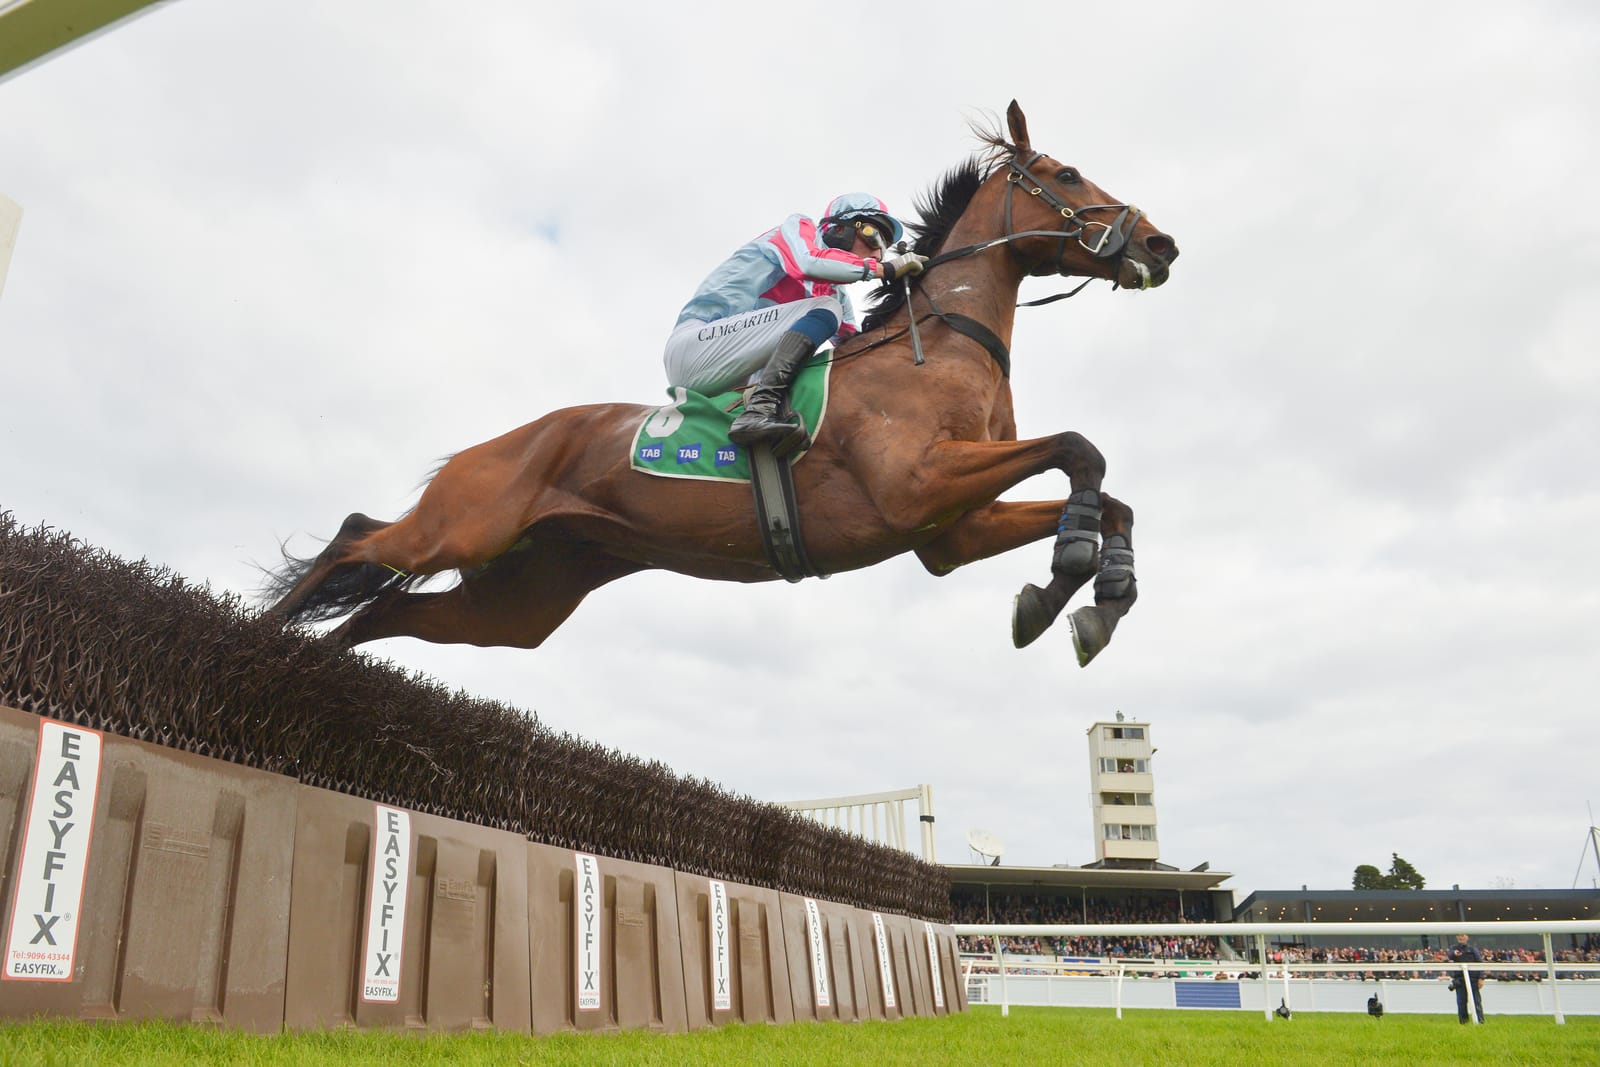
{"points": [[1260, 931]]}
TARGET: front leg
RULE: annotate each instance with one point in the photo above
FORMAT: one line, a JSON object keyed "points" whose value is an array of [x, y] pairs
{"points": [[950, 479], [989, 531], [1115, 590]]}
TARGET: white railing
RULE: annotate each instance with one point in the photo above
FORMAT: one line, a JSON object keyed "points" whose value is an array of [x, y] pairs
{"points": [[879, 817], [1263, 968]]}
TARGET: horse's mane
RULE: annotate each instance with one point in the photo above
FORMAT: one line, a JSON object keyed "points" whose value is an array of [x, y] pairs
{"points": [[937, 212]]}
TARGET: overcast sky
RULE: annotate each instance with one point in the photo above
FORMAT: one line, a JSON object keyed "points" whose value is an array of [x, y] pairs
{"points": [[276, 259]]}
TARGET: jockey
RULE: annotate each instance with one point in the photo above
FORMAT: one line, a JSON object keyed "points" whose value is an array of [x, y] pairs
{"points": [[771, 305]]}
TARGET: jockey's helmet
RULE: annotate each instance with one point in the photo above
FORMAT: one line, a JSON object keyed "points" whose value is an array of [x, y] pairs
{"points": [[859, 212]]}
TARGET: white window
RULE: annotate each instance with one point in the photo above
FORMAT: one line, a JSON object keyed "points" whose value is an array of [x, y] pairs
{"points": [[1124, 832]]}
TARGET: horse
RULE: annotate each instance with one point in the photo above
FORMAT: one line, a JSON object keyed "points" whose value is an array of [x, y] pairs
{"points": [[918, 444]]}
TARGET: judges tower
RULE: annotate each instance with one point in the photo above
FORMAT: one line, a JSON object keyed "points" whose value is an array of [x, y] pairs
{"points": [[1123, 794]]}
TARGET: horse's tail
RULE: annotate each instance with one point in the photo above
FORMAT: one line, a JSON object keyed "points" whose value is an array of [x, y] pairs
{"points": [[346, 588]]}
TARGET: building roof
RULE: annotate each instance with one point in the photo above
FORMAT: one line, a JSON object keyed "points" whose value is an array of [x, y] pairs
{"points": [[1063, 877], [1416, 905]]}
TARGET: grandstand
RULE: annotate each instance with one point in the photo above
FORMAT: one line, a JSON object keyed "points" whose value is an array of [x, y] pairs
{"points": [[1129, 915]]}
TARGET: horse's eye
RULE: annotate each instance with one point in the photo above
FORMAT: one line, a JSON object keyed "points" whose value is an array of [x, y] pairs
{"points": [[1067, 175]]}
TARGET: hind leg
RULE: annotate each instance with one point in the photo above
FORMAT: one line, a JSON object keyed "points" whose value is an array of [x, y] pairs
{"points": [[476, 507], [518, 601]]}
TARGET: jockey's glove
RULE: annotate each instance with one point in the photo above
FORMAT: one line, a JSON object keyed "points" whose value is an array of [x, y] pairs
{"points": [[903, 266]]}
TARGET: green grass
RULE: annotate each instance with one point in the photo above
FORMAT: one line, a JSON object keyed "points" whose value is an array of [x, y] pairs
{"points": [[1055, 1036]]}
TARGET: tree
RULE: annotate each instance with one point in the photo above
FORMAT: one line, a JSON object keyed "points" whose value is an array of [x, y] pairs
{"points": [[1367, 877], [1401, 876]]}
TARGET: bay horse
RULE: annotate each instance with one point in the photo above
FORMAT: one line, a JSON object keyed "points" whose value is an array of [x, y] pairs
{"points": [[912, 455]]}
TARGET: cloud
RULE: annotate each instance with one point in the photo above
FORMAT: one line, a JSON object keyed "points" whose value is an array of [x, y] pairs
{"points": [[276, 262]]}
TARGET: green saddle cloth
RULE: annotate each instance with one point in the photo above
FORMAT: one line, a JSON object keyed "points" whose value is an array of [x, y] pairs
{"points": [[688, 438]]}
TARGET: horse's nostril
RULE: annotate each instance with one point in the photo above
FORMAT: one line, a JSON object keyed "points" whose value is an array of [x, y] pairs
{"points": [[1162, 245]]}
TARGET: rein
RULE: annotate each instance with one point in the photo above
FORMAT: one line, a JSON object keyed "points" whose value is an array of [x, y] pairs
{"points": [[1103, 240]]}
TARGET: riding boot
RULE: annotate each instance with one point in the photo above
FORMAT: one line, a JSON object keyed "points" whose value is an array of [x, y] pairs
{"points": [[766, 419]]}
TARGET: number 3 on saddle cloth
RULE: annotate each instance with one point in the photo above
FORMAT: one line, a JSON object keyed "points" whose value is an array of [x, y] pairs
{"points": [[688, 438]]}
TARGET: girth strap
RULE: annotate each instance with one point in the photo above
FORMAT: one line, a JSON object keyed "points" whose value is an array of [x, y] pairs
{"points": [[970, 327]]}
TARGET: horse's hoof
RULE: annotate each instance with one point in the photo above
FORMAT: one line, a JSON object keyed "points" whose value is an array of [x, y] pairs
{"points": [[1030, 616], [1090, 635]]}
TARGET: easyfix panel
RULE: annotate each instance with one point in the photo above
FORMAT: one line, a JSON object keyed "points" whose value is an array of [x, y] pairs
{"points": [[955, 990], [735, 966], [184, 907], [603, 943], [827, 979], [885, 960], [405, 920], [934, 958]]}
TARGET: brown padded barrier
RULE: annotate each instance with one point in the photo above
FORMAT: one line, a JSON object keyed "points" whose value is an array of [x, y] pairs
{"points": [[640, 979], [862, 929], [913, 934], [844, 963], [955, 990], [464, 957], [757, 967], [185, 912], [219, 894]]}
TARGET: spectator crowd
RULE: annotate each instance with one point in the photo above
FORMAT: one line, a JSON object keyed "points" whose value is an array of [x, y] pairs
{"points": [[1367, 962]]}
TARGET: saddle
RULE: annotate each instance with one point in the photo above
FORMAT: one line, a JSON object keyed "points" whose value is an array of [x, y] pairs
{"points": [[688, 438]]}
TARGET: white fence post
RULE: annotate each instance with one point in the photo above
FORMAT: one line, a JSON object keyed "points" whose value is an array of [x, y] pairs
{"points": [[1261, 952], [1000, 958], [1555, 991]]}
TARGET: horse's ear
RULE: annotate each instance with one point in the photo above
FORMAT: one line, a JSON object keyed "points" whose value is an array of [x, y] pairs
{"points": [[1019, 127]]}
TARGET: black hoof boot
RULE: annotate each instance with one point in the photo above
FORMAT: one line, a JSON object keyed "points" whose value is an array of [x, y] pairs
{"points": [[1077, 551]]}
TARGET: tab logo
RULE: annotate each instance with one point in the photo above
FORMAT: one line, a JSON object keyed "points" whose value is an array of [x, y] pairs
{"points": [[721, 991], [819, 954], [586, 917], [933, 965], [649, 453], [884, 969], [727, 457], [55, 853], [689, 453], [386, 906]]}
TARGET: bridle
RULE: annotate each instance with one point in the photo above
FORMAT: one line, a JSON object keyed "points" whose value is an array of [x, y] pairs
{"points": [[1103, 240]]}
